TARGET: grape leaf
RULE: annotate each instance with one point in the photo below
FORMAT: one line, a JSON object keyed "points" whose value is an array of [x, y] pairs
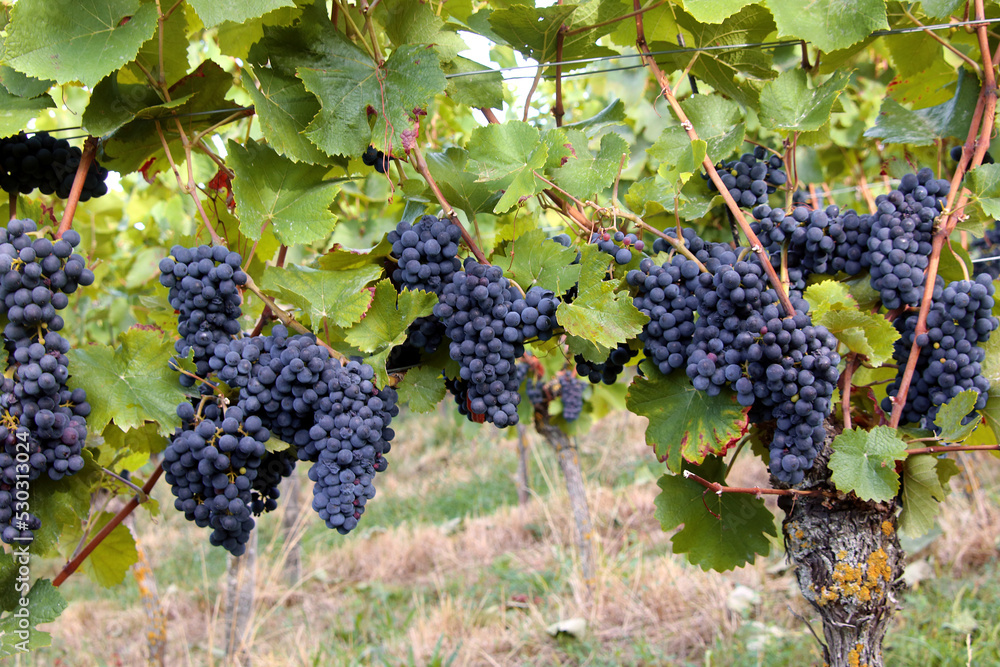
{"points": [[984, 182], [340, 258], [598, 313], [474, 90], [923, 492], [718, 123], [110, 560], [19, 84], [460, 187], [76, 40], [940, 9], [950, 415], [585, 174], [15, 112], [214, 12], [271, 190], [870, 334], [332, 297], [832, 24], [721, 531], [788, 103], [236, 39], [539, 261], [679, 157], [417, 23], [898, 125], [131, 384], [714, 11], [45, 603], [173, 49], [826, 295], [505, 157], [613, 114], [284, 108], [113, 105], [386, 322], [865, 462], [533, 32], [991, 413], [685, 424], [351, 87], [655, 195], [422, 388]]}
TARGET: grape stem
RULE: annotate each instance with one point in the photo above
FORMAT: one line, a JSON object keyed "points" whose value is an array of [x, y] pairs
{"points": [[139, 492], [266, 314], [73, 564], [939, 449], [558, 111], [421, 165], [719, 489], [845, 387], [713, 174], [982, 124], [89, 150]]}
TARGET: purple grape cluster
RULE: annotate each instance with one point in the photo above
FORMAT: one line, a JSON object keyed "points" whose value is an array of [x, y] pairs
{"points": [[41, 161], [751, 178]]}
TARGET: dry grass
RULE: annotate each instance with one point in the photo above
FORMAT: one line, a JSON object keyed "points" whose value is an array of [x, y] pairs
{"points": [[485, 587]]}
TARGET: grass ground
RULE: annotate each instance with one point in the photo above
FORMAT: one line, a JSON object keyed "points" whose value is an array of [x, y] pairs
{"points": [[446, 568]]}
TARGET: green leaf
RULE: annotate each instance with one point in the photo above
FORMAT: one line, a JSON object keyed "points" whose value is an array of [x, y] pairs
{"points": [[284, 108], [949, 417], [131, 384], [922, 494], [826, 295], [271, 190], [76, 40], [339, 259], [417, 23], [656, 195], [865, 462], [537, 260], [864, 332], [385, 324], [613, 114], [991, 413], [685, 424], [236, 39], [113, 105], [584, 174], [788, 103], [129, 450], [832, 24], [339, 298], [505, 157], [718, 123], [598, 313], [714, 11], [984, 182], [474, 90], [461, 188], [533, 32], [351, 87], [110, 561], [679, 157], [721, 531], [21, 85], [44, 604], [15, 112], [173, 49], [214, 12], [896, 124], [940, 9], [422, 388], [719, 68]]}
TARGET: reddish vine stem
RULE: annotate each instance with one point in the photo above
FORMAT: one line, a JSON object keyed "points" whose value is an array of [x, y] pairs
{"points": [[755, 243], [719, 489], [845, 387], [982, 125], [266, 314], [939, 449], [89, 150], [72, 565], [558, 110], [421, 166]]}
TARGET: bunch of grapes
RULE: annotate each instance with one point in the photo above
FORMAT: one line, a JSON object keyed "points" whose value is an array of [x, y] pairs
{"points": [[476, 308], [40, 416], [41, 161], [211, 464], [960, 320], [750, 179], [608, 370], [571, 394], [351, 435], [663, 296], [608, 243], [373, 157], [204, 287], [899, 245]]}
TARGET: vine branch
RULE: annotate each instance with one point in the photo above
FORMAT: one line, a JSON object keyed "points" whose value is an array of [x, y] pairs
{"points": [[89, 150], [719, 489]]}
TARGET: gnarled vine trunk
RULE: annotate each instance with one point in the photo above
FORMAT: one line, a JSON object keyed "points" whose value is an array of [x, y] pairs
{"points": [[848, 564]]}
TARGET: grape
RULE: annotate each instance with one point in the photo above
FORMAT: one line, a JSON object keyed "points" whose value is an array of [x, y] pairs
{"points": [[608, 370], [375, 158], [41, 161], [960, 320], [351, 436], [204, 290], [571, 394], [751, 178]]}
